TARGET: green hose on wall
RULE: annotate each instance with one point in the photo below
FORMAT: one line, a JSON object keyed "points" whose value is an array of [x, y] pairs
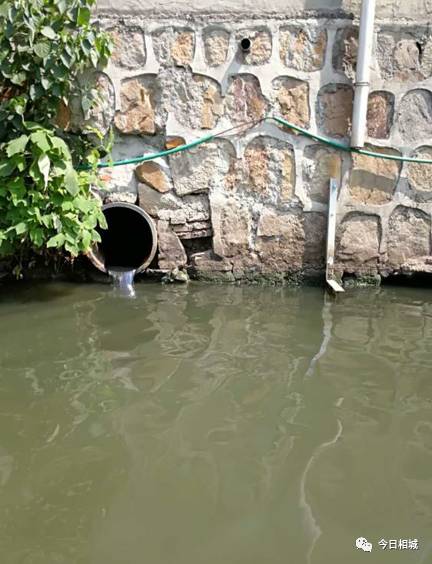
{"points": [[325, 140]]}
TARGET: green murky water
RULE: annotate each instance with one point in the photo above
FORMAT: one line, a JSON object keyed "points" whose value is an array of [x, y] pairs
{"points": [[210, 425]]}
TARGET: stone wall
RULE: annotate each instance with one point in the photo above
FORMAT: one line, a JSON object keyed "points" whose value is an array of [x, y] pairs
{"points": [[253, 203]]}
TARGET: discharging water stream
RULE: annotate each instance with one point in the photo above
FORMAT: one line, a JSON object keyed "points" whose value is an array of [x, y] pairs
{"points": [[214, 425], [123, 280]]}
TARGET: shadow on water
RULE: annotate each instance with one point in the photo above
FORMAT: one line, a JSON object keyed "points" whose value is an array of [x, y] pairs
{"points": [[207, 424]]}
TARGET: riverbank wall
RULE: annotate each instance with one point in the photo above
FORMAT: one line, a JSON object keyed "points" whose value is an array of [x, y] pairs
{"points": [[252, 203]]}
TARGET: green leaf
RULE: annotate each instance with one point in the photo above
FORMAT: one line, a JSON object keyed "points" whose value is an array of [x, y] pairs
{"points": [[4, 8], [37, 237], [46, 83], [95, 236], [83, 16], [48, 32], [62, 5], [32, 126], [56, 241], [18, 78], [6, 168], [40, 139], [36, 91], [20, 228], [17, 145], [103, 224], [59, 144], [18, 104], [46, 220], [66, 60], [86, 239], [44, 165], [72, 249], [86, 104], [16, 187], [67, 205], [58, 170], [90, 222], [94, 58], [42, 50], [71, 182]]}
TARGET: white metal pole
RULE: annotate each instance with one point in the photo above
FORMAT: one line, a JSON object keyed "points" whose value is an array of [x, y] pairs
{"points": [[364, 61], [331, 237]]}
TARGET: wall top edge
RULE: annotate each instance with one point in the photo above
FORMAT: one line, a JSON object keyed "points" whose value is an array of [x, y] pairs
{"points": [[415, 10]]}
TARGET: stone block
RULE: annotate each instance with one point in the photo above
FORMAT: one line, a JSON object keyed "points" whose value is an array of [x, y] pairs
{"points": [[280, 241], [153, 202], [235, 177], [119, 179], [190, 209], [359, 238], [174, 142], [201, 168], [319, 165], [244, 100], [315, 234], [409, 235], [261, 46], [303, 47], [216, 45], [171, 251], [174, 46], [248, 267], [380, 114], [345, 52], [193, 230], [270, 168], [120, 197], [334, 109], [407, 60], [231, 221], [420, 175], [292, 100], [415, 116], [138, 99], [129, 48], [209, 262], [426, 58], [399, 57], [196, 101], [373, 181], [151, 173], [384, 54]]}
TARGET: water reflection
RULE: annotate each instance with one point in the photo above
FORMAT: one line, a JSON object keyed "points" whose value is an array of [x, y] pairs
{"points": [[213, 424]]}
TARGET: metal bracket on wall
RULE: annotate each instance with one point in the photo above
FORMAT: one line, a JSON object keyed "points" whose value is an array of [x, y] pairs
{"points": [[332, 284]]}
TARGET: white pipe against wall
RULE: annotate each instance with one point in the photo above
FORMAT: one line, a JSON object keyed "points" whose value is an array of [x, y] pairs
{"points": [[364, 61]]}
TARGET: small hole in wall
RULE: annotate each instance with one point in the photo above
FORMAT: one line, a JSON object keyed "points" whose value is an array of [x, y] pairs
{"points": [[198, 245], [245, 44], [420, 50], [414, 280]]}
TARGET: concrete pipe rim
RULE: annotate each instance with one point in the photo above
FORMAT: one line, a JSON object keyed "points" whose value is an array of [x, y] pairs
{"points": [[97, 259]]}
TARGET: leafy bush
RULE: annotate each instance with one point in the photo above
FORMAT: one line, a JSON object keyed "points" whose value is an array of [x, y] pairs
{"points": [[45, 45]]}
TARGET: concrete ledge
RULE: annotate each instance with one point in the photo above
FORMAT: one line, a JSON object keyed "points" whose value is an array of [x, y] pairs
{"points": [[294, 7], [414, 10]]}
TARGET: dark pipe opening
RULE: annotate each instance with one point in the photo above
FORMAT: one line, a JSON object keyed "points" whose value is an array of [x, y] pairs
{"points": [[129, 240], [245, 44]]}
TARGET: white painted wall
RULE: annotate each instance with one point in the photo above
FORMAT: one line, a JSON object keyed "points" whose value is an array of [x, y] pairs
{"points": [[414, 10]]}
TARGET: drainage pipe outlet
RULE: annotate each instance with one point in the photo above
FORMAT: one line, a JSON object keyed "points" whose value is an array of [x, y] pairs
{"points": [[129, 243]]}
